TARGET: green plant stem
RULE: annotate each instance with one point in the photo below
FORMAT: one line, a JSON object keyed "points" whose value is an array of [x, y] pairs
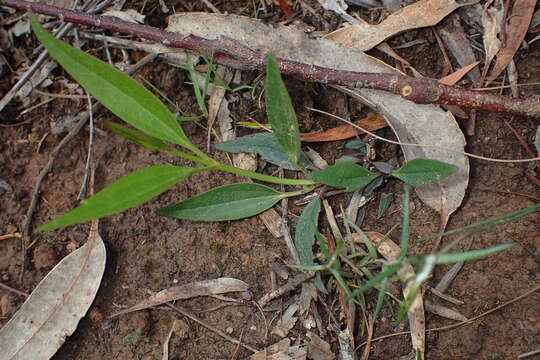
{"points": [[263, 177]]}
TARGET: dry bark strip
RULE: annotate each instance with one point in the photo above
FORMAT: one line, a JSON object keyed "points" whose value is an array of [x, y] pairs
{"points": [[232, 53]]}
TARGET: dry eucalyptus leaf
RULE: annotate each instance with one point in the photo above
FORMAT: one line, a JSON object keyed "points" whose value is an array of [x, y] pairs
{"points": [[281, 350], [53, 310], [420, 14], [492, 20], [412, 123], [187, 291]]}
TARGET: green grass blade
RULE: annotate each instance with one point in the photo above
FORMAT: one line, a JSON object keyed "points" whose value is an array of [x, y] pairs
{"points": [[131, 190], [228, 202], [346, 174], [119, 93], [380, 277], [486, 224], [471, 255], [405, 227], [280, 112], [424, 171]]}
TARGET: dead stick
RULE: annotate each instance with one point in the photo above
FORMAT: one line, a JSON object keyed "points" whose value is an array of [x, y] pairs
{"points": [[230, 52]]}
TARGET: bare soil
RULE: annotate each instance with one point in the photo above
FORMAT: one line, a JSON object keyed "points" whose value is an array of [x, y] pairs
{"points": [[146, 251]]}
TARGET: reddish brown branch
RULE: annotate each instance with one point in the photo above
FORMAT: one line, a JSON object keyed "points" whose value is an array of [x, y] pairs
{"points": [[232, 53]]}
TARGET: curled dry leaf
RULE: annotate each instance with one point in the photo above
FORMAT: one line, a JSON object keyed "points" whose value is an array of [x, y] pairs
{"points": [[390, 251], [53, 310], [187, 291], [372, 122], [420, 14], [412, 123], [519, 22]]}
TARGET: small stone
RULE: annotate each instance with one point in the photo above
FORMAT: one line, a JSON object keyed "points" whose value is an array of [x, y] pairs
{"points": [[5, 277], [44, 257], [229, 330]]}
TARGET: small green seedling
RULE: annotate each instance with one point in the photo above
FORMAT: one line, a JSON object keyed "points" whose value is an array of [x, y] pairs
{"points": [[136, 337], [156, 128]]}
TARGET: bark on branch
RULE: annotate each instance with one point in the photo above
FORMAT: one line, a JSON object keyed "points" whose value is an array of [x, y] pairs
{"points": [[232, 53]]}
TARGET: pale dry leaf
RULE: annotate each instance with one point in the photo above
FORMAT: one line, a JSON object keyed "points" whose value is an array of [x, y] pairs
{"points": [[492, 21], [53, 310], [420, 14], [281, 350], [287, 321], [537, 140], [412, 123], [390, 251], [444, 311], [187, 291]]}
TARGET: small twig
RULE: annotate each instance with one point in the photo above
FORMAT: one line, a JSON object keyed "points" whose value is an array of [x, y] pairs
{"points": [[211, 328], [453, 326], [90, 142], [9, 236], [528, 354], [15, 291], [289, 286], [231, 52]]}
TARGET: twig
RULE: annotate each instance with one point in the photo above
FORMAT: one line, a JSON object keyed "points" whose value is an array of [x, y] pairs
{"points": [[35, 194], [453, 326], [289, 286], [15, 291], [231, 52], [82, 191], [211, 328]]}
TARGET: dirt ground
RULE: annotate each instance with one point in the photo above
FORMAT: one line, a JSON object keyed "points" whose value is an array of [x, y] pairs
{"points": [[148, 252]]}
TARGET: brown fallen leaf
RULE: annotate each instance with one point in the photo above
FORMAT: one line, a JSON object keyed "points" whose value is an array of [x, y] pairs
{"points": [[522, 13], [187, 291], [390, 251], [372, 122], [420, 14], [281, 350], [454, 77]]}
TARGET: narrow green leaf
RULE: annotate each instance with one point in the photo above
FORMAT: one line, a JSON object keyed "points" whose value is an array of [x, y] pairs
{"points": [[264, 144], [356, 145], [131, 190], [386, 273], [228, 202], [348, 175], [471, 255], [137, 137], [119, 93], [280, 111], [424, 171], [384, 204], [304, 236], [406, 225]]}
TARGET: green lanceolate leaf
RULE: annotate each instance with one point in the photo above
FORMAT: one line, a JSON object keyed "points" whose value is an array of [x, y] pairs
{"points": [[119, 93], [264, 144], [346, 174], [305, 232], [131, 190], [228, 202], [137, 137], [424, 171], [280, 112], [471, 255]]}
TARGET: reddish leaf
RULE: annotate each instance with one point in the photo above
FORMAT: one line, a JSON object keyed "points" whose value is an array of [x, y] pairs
{"points": [[520, 20], [454, 77], [285, 8], [372, 122]]}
